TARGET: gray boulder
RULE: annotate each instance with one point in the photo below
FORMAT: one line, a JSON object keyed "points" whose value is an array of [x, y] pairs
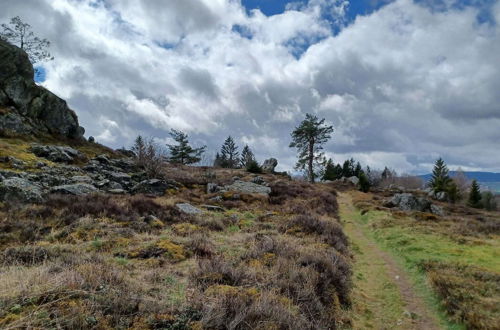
{"points": [[409, 202], [354, 180], [20, 190], [74, 189], [212, 188], [188, 208], [437, 210], [441, 196], [58, 154], [269, 165], [118, 177], [154, 187], [81, 179], [248, 188], [258, 180], [31, 108]]}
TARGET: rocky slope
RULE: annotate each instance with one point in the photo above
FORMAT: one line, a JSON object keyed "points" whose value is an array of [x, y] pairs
{"points": [[29, 109]]}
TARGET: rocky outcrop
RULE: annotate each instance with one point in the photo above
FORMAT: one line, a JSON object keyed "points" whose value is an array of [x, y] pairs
{"points": [[410, 202], [154, 187], [77, 189], [248, 188], [20, 190], [269, 165], [188, 208], [26, 108], [58, 154]]}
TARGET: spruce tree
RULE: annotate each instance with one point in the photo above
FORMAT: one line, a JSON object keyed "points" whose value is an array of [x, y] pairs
{"points": [[247, 156], [182, 152], [386, 174], [474, 195], [358, 169], [348, 168], [440, 179], [229, 153], [139, 149], [364, 183], [218, 162], [309, 138], [329, 172]]}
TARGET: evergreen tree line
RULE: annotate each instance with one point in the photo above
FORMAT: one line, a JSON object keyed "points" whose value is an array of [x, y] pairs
{"points": [[441, 182], [229, 157], [148, 153]]}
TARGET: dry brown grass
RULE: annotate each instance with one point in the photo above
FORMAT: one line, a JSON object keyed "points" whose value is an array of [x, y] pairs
{"points": [[470, 295], [104, 261]]}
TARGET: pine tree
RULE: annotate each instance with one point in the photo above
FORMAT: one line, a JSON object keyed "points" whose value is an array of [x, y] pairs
{"points": [[139, 149], [488, 201], [358, 169], [348, 168], [182, 152], [364, 183], [19, 34], [453, 191], [253, 167], [309, 138], [218, 162], [386, 174], [246, 156], [474, 195], [332, 171], [229, 153], [440, 179]]}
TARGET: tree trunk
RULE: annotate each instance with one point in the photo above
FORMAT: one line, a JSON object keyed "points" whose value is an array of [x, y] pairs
{"points": [[311, 158]]}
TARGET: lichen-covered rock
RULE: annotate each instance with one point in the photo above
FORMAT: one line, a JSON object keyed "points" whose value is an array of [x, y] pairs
{"points": [[155, 187], [269, 165], [354, 180], [248, 188], [74, 189], [32, 109], [20, 190], [410, 202], [437, 210], [212, 188], [188, 208], [58, 154]]}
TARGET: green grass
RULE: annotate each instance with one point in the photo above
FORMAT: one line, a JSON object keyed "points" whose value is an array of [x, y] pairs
{"points": [[415, 246], [411, 247]]}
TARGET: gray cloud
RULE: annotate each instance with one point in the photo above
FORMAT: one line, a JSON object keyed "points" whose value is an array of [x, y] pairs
{"points": [[401, 86]]}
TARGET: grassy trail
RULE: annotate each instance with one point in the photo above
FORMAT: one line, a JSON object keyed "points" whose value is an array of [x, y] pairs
{"points": [[384, 297]]}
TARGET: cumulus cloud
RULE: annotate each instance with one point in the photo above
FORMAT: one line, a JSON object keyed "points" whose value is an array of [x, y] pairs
{"points": [[402, 85]]}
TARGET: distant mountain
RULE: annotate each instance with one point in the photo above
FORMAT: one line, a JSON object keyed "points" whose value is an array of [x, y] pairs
{"points": [[479, 176]]}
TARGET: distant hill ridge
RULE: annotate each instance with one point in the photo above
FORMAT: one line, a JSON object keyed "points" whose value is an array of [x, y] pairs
{"points": [[479, 176]]}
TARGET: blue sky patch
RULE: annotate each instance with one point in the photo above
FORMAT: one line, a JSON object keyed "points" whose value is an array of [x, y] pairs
{"points": [[40, 74], [243, 31]]}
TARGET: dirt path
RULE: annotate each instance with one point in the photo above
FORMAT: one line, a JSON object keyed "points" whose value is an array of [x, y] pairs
{"points": [[383, 295]]}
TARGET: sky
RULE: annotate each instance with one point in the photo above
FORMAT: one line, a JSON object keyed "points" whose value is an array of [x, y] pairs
{"points": [[402, 82]]}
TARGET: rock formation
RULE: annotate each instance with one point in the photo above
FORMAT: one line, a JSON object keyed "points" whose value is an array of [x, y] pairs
{"points": [[26, 108]]}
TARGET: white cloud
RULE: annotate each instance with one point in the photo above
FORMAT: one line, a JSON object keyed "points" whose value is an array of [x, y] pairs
{"points": [[402, 85]]}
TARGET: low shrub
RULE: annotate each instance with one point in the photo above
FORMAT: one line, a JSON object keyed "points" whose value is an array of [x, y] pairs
{"points": [[330, 231], [201, 246], [470, 295]]}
